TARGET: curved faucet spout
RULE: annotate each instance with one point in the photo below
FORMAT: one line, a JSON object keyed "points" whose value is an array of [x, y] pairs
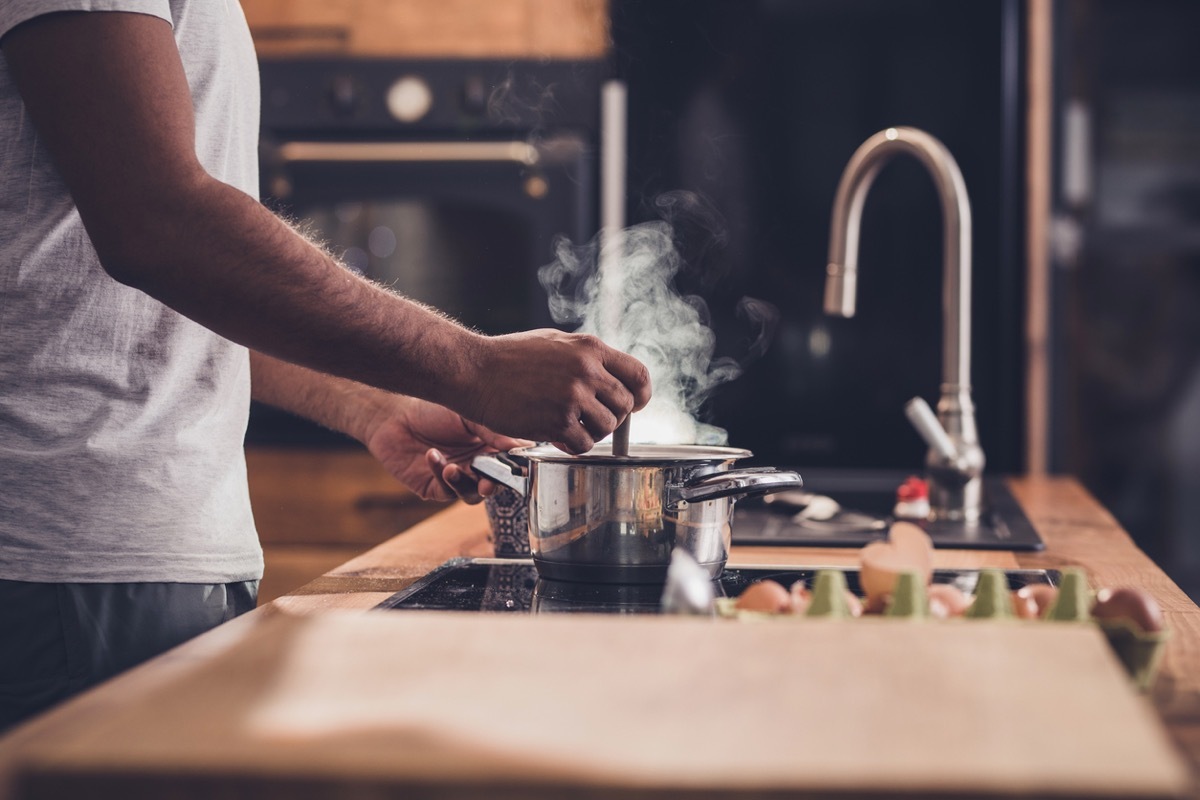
{"points": [[841, 287], [957, 487]]}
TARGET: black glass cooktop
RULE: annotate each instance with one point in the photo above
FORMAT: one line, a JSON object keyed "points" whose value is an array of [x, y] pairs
{"points": [[512, 586]]}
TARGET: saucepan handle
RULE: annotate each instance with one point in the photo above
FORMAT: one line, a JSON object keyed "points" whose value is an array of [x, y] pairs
{"points": [[503, 468], [735, 483]]}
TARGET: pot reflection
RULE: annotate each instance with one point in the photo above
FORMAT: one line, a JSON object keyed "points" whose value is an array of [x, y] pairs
{"points": [[556, 597]]}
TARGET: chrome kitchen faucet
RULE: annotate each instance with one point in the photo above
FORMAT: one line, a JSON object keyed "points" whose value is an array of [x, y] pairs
{"points": [[955, 459]]}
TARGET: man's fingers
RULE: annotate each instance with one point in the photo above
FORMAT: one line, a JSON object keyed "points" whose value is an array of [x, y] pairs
{"points": [[463, 484], [437, 464], [578, 444], [617, 400], [453, 480], [576, 440], [632, 374], [598, 421], [487, 487], [553, 381]]}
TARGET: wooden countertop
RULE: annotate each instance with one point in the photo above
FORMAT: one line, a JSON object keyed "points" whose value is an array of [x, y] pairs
{"points": [[1078, 533]]}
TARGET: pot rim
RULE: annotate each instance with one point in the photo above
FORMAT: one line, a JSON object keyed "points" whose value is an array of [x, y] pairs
{"points": [[639, 454]]}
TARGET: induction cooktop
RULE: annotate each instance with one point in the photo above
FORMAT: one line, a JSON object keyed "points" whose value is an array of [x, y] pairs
{"points": [[502, 585]]}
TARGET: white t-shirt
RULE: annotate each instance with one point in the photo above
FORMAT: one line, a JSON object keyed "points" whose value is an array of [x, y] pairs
{"points": [[121, 422]]}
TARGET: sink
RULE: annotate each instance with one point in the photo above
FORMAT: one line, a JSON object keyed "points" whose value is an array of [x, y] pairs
{"points": [[866, 499]]}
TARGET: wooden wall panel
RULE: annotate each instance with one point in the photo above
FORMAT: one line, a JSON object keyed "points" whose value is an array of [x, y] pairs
{"points": [[1038, 177], [330, 497], [564, 29]]}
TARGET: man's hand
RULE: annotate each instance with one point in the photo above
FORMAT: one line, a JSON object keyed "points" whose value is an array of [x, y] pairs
{"points": [[570, 389], [428, 448], [424, 446]]}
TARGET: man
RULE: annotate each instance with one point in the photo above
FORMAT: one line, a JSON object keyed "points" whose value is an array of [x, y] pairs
{"points": [[145, 295]]}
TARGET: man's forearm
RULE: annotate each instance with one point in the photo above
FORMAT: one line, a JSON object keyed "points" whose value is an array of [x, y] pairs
{"points": [[343, 405]]}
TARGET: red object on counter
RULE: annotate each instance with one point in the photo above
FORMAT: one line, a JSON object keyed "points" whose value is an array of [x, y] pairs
{"points": [[913, 488], [912, 499]]}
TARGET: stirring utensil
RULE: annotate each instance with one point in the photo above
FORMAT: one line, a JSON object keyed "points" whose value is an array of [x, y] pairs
{"points": [[620, 441]]}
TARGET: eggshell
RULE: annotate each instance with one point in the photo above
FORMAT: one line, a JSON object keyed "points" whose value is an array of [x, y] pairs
{"points": [[765, 595], [907, 549], [1024, 606], [1032, 601], [877, 604], [880, 564], [855, 605], [911, 539], [947, 600], [1135, 605], [800, 597]]}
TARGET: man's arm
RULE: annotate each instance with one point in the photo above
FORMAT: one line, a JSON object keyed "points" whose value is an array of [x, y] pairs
{"points": [[424, 446], [108, 95], [339, 404]]}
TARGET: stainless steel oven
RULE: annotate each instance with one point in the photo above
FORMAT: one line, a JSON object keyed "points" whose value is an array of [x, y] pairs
{"points": [[447, 180]]}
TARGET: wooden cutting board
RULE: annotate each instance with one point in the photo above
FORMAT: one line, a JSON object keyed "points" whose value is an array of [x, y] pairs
{"points": [[426, 704]]}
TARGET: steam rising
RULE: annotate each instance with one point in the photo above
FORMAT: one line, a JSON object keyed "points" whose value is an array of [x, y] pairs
{"points": [[619, 287], [518, 99]]}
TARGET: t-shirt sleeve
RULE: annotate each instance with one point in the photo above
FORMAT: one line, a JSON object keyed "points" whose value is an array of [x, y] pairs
{"points": [[14, 12]]}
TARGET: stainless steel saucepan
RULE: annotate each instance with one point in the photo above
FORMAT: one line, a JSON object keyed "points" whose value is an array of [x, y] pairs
{"points": [[615, 519]]}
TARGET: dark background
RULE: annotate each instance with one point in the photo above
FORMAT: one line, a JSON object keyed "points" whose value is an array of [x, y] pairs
{"points": [[757, 107], [1126, 256]]}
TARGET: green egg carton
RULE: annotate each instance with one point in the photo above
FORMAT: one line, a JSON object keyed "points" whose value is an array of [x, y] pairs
{"points": [[992, 599], [829, 596], [1138, 651], [1074, 601], [909, 600]]}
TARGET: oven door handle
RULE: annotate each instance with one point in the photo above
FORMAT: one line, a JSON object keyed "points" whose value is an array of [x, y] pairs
{"points": [[410, 152]]}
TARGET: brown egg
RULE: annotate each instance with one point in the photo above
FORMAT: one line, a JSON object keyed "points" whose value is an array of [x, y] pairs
{"points": [[767, 596], [1032, 601], [800, 597], [877, 604], [1136, 605], [1024, 606], [854, 604], [947, 600]]}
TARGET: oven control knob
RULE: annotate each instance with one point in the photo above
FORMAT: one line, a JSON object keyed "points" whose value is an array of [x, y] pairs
{"points": [[344, 95], [475, 95], [409, 98]]}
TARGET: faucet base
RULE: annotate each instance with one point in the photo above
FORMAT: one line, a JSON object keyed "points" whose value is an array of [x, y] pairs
{"points": [[955, 501], [956, 483]]}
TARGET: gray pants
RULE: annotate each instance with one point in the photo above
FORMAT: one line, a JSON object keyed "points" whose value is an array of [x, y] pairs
{"points": [[57, 639]]}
